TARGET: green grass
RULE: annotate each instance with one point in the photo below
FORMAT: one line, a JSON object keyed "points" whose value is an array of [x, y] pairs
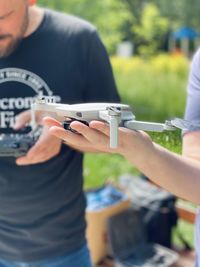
{"points": [[100, 168], [186, 230], [153, 96]]}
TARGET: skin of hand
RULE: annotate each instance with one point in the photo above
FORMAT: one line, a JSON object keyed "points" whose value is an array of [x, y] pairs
{"points": [[95, 137], [44, 149], [178, 174]]}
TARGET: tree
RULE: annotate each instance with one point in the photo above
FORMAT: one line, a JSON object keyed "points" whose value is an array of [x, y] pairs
{"points": [[144, 22], [108, 16], [180, 12], [151, 29]]}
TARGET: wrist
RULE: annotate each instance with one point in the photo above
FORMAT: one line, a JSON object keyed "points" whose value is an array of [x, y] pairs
{"points": [[139, 149]]}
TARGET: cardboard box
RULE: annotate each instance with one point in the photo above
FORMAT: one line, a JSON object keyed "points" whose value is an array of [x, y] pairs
{"points": [[96, 228]]}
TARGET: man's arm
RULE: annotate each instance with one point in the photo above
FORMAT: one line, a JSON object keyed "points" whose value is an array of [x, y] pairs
{"points": [[191, 145], [179, 174]]}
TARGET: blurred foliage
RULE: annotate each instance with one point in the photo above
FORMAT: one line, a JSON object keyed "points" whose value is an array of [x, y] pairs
{"points": [[107, 15], [180, 12], [155, 88], [146, 23], [151, 29]]}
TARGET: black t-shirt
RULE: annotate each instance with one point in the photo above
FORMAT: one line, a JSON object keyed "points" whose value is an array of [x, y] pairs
{"points": [[42, 206]]}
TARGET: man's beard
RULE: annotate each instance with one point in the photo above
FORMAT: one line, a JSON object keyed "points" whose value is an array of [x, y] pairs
{"points": [[14, 41], [11, 47]]}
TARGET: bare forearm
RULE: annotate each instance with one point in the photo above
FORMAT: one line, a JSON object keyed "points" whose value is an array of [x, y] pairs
{"points": [[178, 174]]}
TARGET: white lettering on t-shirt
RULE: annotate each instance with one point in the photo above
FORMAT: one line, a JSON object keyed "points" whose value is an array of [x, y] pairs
{"points": [[11, 106]]}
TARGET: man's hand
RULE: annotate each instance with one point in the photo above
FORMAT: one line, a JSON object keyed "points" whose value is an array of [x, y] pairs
{"points": [[44, 149]]}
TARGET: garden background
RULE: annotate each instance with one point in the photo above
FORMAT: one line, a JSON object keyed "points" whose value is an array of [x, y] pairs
{"points": [[153, 82]]}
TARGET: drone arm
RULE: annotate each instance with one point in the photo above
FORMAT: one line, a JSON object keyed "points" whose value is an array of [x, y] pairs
{"points": [[148, 126]]}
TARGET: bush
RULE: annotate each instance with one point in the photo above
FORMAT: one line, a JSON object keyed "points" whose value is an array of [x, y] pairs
{"points": [[155, 88]]}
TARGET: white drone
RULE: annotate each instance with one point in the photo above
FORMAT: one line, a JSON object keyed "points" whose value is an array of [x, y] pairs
{"points": [[114, 114]]}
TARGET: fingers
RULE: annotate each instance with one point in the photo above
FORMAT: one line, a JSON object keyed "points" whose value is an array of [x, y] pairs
{"points": [[79, 127], [56, 129], [22, 119], [100, 126], [33, 156], [70, 138], [45, 148], [51, 122], [96, 134], [98, 140]]}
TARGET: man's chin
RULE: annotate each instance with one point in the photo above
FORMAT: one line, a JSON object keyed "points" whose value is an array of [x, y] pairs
{"points": [[4, 54], [9, 50]]}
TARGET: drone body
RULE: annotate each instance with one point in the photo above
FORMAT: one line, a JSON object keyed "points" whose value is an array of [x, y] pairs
{"points": [[114, 114]]}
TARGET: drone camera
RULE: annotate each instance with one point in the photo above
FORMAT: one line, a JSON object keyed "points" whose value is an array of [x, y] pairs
{"points": [[79, 114], [66, 124]]}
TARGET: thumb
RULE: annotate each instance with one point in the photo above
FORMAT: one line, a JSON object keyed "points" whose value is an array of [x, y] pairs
{"points": [[22, 119]]}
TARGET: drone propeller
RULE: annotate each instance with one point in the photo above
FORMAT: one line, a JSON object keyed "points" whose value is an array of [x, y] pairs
{"points": [[185, 124]]}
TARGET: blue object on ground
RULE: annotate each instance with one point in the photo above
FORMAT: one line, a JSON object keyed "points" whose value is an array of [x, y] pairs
{"points": [[103, 197]]}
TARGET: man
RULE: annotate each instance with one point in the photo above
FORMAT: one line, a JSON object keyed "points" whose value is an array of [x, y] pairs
{"points": [[42, 204], [178, 174]]}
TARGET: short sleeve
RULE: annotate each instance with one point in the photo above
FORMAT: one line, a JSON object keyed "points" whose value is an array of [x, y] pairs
{"points": [[192, 111], [100, 83]]}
